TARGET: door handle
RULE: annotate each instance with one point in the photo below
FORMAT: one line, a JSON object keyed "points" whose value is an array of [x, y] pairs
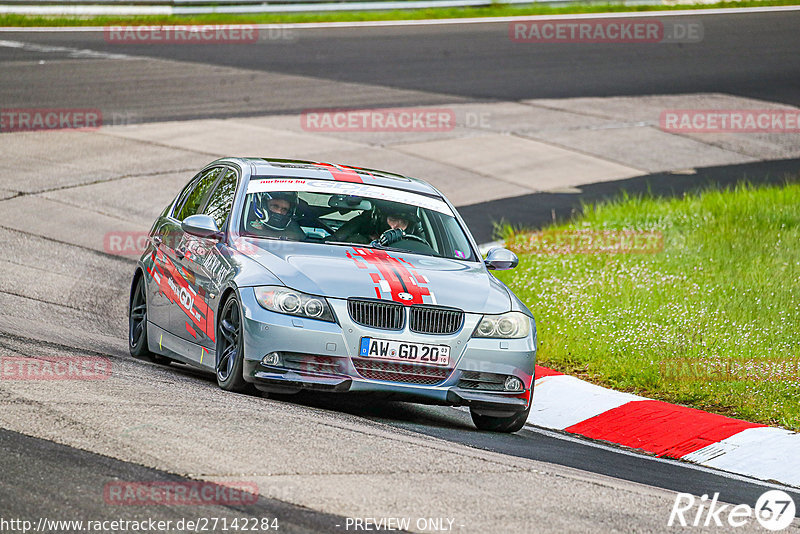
{"points": [[180, 252]]}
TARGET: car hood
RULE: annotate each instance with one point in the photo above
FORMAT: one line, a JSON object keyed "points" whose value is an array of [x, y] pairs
{"points": [[340, 271]]}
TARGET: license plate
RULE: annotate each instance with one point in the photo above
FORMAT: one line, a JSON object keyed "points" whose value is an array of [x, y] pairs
{"points": [[387, 349]]}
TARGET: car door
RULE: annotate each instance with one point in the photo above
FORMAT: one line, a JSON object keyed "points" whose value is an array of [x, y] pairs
{"points": [[179, 286], [201, 262], [160, 295]]}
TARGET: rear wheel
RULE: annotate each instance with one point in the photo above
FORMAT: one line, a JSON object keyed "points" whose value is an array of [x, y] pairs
{"points": [[509, 424], [137, 325], [230, 349]]}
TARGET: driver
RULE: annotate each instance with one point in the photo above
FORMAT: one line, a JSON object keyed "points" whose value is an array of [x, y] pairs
{"points": [[370, 225], [273, 216], [398, 219]]}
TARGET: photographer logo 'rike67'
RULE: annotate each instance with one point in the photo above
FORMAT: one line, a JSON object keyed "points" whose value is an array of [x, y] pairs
{"points": [[774, 510]]}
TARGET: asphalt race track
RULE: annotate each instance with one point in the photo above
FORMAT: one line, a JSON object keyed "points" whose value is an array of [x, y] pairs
{"points": [[751, 55], [317, 461]]}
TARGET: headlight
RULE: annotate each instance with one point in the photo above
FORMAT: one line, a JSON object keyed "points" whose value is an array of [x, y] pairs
{"points": [[508, 325], [291, 302]]}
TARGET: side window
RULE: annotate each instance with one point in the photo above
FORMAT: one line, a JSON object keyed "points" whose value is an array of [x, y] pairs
{"points": [[181, 198], [457, 244], [221, 200], [194, 199], [427, 228]]}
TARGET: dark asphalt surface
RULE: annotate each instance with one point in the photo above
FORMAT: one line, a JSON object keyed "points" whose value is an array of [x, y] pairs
{"points": [[28, 492], [537, 210], [753, 55], [456, 425]]}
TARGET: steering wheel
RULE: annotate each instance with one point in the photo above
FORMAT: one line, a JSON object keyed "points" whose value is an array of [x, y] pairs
{"points": [[413, 237], [422, 246]]}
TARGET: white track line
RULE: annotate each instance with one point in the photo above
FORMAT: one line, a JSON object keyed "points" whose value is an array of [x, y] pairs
{"points": [[440, 22], [76, 53]]}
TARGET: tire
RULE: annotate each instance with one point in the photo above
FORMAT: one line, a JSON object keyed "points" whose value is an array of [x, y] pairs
{"points": [[137, 325], [512, 423], [230, 349]]}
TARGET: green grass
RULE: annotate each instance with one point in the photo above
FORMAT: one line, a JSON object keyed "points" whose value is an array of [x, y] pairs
{"points": [[497, 10], [724, 293]]}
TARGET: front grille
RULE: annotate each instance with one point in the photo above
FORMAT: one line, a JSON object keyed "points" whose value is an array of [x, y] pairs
{"points": [[435, 320], [311, 363], [484, 381], [401, 372], [386, 315]]}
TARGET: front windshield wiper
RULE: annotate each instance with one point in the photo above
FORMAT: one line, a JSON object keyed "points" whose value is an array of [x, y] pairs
{"points": [[349, 244], [395, 249], [272, 237], [378, 246]]}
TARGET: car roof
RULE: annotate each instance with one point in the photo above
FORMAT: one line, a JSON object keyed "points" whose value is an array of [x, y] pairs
{"points": [[336, 172]]}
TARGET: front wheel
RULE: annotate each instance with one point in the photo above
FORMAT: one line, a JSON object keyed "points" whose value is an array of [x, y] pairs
{"points": [[230, 349], [512, 423]]}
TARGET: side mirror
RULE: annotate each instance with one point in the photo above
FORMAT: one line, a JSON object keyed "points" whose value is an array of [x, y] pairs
{"points": [[500, 259], [200, 226]]}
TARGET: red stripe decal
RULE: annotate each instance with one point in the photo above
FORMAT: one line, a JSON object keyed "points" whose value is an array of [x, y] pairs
{"points": [[375, 258], [343, 174], [198, 303], [410, 286], [191, 330], [211, 328], [660, 428], [395, 274], [357, 260], [363, 171]]}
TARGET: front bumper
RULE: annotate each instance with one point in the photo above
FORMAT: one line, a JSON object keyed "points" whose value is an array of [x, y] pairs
{"points": [[326, 358]]}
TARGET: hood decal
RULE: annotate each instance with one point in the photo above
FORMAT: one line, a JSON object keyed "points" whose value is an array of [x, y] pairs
{"points": [[395, 279], [356, 271]]}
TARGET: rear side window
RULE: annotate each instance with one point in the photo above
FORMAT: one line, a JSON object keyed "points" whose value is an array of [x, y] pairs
{"points": [[221, 200], [181, 198], [194, 198]]}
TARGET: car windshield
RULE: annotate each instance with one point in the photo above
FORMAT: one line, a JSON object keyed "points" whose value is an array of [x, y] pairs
{"points": [[343, 213]]}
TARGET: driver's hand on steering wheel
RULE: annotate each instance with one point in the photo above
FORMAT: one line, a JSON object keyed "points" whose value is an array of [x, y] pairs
{"points": [[391, 236]]}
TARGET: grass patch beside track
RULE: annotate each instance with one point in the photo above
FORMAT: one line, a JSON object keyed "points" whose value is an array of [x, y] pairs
{"points": [[712, 320], [498, 10]]}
